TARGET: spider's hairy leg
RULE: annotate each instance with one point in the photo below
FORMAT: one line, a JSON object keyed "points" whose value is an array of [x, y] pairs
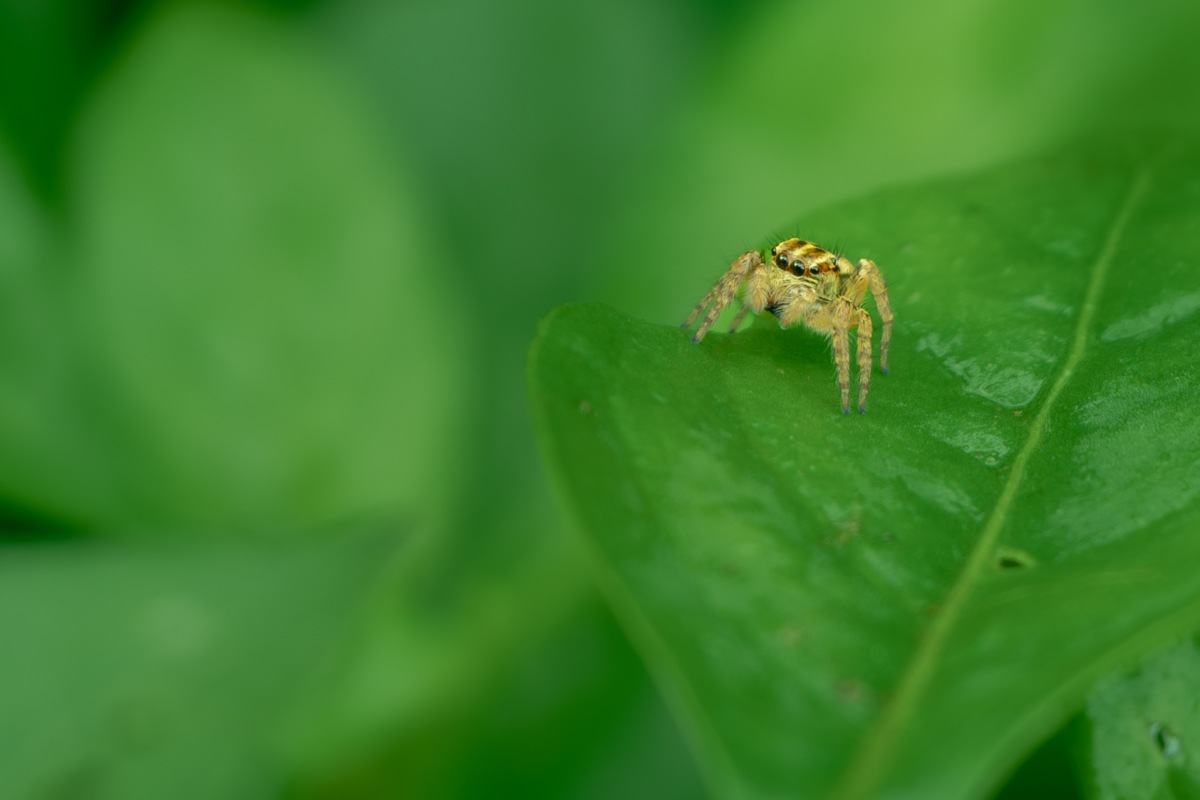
{"points": [[842, 315], [726, 287], [867, 268], [865, 329]]}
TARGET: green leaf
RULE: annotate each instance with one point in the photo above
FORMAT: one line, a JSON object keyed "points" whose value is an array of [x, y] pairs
{"points": [[55, 47], [128, 665], [904, 603], [51, 457], [254, 288], [1145, 729]]}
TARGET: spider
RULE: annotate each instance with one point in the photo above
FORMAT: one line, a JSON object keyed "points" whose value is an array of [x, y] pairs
{"points": [[811, 285]]}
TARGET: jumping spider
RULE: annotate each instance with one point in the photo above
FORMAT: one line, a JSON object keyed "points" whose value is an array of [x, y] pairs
{"points": [[813, 286]]}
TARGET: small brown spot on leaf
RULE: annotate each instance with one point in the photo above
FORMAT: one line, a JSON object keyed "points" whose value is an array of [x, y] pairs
{"points": [[790, 635], [851, 690]]}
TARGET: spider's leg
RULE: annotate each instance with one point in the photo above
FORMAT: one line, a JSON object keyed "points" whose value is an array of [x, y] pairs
{"points": [[841, 350], [724, 291], [737, 320], [865, 329], [703, 304], [878, 286]]}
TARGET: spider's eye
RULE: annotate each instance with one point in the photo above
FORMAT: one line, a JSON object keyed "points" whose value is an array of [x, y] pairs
{"points": [[774, 250], [782, 261], [814, 269]]}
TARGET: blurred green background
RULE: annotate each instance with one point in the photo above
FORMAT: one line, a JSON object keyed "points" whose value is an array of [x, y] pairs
{"points": [[274, 523]]}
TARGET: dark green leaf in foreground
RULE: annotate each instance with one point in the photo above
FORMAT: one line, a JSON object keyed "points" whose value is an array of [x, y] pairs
{"points": [[904, 603]]}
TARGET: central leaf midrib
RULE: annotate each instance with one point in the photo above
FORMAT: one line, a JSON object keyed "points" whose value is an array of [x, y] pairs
{"points": [[866, 769]]}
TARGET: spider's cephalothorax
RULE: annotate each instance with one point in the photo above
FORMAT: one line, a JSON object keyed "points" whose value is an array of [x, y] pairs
{"points": [[808, 284]]}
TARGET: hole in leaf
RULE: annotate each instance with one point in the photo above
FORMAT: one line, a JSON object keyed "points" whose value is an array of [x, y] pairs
{"points": [[1011, 558], [1165, 740]]}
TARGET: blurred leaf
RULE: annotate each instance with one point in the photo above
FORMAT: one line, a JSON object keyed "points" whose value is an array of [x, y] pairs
{"points": [[903, 604], [53, 46], [578, 718], [531, 119], [138, 671], [50, 465], [570, 713], [415, 669], [254, 297], [1145, 729]]}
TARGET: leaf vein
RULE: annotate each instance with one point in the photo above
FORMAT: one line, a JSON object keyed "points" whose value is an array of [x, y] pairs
{"points": [[867, 769]]}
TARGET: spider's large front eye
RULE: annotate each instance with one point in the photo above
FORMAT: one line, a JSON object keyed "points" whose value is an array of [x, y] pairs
{"points": [[781, 260]]}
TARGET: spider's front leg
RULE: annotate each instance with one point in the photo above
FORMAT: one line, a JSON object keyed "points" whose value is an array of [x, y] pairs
{"points": [[724, 291], [843, 314], [865, 329]]}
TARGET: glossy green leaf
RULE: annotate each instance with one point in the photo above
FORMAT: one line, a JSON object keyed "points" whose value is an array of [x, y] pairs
{"points": [[902, 604]]}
